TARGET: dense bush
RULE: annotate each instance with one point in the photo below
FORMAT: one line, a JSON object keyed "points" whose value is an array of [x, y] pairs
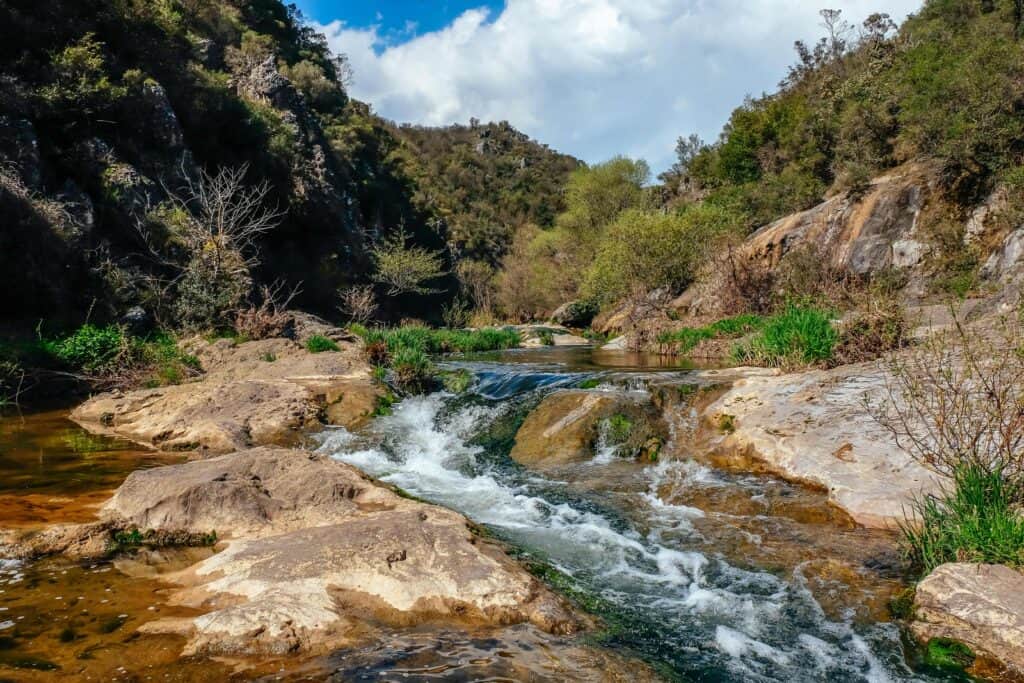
{"points": [[318, 343], [643, 251]]}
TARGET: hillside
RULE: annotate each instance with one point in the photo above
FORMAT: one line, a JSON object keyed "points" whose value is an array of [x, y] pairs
{"points": [[112, 112]]}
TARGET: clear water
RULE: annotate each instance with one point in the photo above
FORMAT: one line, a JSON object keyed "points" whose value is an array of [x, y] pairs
{"points": [[657, 573]]}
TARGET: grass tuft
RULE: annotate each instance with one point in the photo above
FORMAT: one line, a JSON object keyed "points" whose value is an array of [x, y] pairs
{"points": [[977, 520]]}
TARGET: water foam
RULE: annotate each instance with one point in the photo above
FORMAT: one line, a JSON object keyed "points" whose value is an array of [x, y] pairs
{"points": [[765, 627]]}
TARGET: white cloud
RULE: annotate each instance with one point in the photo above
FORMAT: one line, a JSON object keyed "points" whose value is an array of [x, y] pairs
{"points": [[592, 78]]}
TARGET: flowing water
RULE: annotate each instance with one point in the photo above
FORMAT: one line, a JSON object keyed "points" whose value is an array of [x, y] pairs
{"points": [[705, 574], [702, 573]]}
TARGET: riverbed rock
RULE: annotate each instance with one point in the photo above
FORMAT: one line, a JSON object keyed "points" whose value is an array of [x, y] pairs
{"points": [[254, 393], [559, 336], [813, 427], [315, 550], [981, 605], [565, 426]]}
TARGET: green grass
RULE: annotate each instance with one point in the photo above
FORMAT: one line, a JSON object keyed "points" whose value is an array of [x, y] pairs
{"points": [[430, 340], [319, 344], [801, 333], [409, 349], [684, 340], [976, 520], [546, 338]]}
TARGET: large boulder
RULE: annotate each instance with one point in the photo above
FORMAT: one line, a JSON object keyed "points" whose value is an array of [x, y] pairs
{"points": [[255, 393], [813, 427], [981, 605], [566, 427], [574, 314], [315, 550]]}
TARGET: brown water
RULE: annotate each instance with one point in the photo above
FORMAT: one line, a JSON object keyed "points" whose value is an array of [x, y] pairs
{"points": [[53, 471]]}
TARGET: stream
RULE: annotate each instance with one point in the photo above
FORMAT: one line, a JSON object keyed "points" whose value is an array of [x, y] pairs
{"points": [[706, 574], [702, 573]]}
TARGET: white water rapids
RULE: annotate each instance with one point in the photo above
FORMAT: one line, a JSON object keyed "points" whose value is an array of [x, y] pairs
{"points": [[674, 604]]}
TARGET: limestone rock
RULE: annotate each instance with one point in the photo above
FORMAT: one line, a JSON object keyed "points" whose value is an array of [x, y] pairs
{"points": [[564, 427], [261, 392], [315, 549], [981, 605], [812, 427]]}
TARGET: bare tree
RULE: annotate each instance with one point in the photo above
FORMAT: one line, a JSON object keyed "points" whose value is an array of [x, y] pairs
{"points": [[957, 400], [217, 219], [358, 302]]}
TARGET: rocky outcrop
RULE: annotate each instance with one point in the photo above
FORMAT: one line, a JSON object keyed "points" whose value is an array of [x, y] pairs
{"points": [[261, 392], [981, 605], [314, 550], [566, 426], [813, 427], [574, 314]]}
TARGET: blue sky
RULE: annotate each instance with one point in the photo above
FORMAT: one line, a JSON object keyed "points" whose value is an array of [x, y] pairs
{"points": [[593, 78], [394, 18]]}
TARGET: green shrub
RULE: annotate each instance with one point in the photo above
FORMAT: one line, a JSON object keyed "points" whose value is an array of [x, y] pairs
{"points": [[89, 348], [590, 383], [975, 520], [619, 427], [801, 334], [546, 338], [319, 343]]}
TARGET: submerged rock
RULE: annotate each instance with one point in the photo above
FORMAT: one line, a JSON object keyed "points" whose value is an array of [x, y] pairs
{"points": [[980, 605], [315, 550], [262, 392]]}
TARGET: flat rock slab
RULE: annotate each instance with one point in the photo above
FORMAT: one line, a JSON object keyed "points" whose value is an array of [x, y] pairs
{"points": [[813, 427], [315, 550], [255, 393], [981, 605]]}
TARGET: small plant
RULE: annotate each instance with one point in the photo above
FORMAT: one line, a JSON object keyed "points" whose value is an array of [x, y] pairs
{"points": [[268, 357], [380, 374], [319, 344], [619, 428], [727, 423], [457, 381], [413, 371], [546, 338], [128, 539], [590, 383], [383, 405], [90, 348]]}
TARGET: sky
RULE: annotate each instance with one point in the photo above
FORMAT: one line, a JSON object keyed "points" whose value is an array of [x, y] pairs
{"points": [[592, 78]]}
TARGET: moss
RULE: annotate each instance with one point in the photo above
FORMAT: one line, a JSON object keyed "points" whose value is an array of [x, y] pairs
{"points": [[945, 653], [590, 383], [901, 606]]}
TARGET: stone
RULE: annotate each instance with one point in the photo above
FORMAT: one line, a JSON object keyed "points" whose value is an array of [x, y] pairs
{"points": [[574, 314], [255, 393], [812, 427], [980, 605], [314, 549], [563, 429], [137, 320]]}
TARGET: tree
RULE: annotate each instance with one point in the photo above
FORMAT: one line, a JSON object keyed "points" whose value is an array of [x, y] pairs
{"points": [[358, 302], [405, 269], [216, 221]]}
